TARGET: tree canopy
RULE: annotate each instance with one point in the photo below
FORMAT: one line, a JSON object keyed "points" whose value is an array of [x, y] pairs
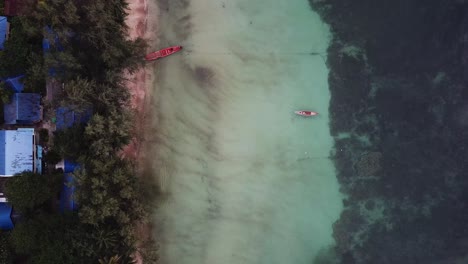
{"points": [[27, 191], [6, 254], [90, 53], [17, 49], [52, 238]]}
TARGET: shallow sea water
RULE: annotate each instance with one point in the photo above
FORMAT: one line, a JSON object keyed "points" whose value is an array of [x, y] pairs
{"points": [[244, 180]]}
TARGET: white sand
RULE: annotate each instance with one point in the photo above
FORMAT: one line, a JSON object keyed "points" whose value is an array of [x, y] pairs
{"points": [[246, 181]]}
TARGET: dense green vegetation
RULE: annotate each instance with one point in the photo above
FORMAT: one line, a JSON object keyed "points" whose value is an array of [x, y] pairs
{"points": [[6, 255], [5, 94], [30, 191], [23, 54], [89, 52], [18, 48]]}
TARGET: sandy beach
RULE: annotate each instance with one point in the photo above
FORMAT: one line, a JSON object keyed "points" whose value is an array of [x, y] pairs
{"points": [[141, 25]]}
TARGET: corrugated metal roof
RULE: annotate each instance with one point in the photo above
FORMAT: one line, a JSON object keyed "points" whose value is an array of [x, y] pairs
{"points": [[65, 117], [29, 108], [50, 34], [3, 30], [67, 200], [16, 151], [24, 108], [15, 83], [69, 166], [51, 42], [5, 217]]}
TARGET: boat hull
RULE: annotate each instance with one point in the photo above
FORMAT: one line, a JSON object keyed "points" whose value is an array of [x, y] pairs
{"points": [[305, 113], [162, 53]]}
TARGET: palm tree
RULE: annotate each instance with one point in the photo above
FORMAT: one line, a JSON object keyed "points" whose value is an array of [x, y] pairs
{"points": [[105, 239], [112, 260]]}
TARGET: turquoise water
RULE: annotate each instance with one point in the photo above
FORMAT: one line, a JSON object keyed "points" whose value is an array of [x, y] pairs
{"points": [[244, 179]]}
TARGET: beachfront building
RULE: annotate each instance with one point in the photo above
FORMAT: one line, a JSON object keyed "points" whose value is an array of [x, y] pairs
{"points": [[15, 83], [17, 151], [24, 109], [50, 44], [4, 31], [66, 118], [67, 200], [6, 222]]}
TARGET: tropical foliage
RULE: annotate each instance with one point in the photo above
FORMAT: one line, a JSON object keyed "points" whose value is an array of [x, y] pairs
{"points": [[5, 93], [29, 191], [89, 53], [18, 48], [6, 254]]}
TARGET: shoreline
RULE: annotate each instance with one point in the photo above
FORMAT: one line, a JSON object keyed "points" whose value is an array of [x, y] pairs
{"points": [[137, 82], [140, 25]]}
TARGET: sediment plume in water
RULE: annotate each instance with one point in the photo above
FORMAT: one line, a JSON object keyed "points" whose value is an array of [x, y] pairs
{"points": [[242, 179]]}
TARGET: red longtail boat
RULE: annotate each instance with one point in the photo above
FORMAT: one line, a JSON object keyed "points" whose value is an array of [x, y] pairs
{"points": [[162, 53], [305, 113]]}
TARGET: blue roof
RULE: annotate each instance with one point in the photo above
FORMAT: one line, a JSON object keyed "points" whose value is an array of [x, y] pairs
{"points": [[5, 217], [66, 117], [3, 30], [16, 151], [45, 45], [24, 108], [51, 42], [67, 200], [69, 166], [15, 83], [51, 34]]}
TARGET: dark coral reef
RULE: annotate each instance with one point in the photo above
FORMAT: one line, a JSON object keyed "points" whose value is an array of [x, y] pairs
{"points": [[399, 115]]}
